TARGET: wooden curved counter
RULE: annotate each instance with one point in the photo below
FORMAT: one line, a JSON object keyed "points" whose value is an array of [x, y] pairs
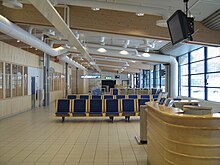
{"points": [[175, 138]]}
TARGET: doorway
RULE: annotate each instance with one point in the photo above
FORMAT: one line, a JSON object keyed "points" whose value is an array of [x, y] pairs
{"points": [[33, 92], [107, 84]]}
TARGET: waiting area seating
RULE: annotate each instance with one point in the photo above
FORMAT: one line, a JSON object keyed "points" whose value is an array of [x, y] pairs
{"points": [[101, 105]]}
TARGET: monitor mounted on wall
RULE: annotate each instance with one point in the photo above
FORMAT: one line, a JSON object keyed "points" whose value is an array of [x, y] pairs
{"points": [[179, 28]]}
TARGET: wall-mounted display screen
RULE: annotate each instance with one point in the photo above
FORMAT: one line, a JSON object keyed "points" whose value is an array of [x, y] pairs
{"points": [[117, 76]]}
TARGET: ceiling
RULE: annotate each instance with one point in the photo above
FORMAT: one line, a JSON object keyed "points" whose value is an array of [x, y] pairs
{"points": [[112, 60]]}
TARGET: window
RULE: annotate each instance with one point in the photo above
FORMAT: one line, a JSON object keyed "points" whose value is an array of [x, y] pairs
{"points": [[213, 80], [183, 59], [197, 92], [213, 94], [184, 71], [16, 80], [214, 64], [197, 67], [1, 80], [213, 52], [7, 80], [25, 81], [203, 76], [197, 55], [197, 80]]}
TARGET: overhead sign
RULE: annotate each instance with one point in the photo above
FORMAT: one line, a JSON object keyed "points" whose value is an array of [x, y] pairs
{"points": [[108, 77], [91, 76]]}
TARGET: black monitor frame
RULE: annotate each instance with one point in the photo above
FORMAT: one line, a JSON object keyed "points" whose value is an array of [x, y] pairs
{"points": [[178, 27]]}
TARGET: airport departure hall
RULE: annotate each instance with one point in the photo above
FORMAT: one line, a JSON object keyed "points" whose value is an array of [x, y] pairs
{"points": [[109, 82]]}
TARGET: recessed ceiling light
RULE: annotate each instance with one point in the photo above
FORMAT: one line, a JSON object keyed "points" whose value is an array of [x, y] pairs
{"points": [[124, 52], [95, 8], [146, 55], [36, 49], [18, 41], [102, 50], [140, 14]]}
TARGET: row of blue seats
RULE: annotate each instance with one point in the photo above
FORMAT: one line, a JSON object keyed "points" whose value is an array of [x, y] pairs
{"points": [[99, 107], [154, 97]]}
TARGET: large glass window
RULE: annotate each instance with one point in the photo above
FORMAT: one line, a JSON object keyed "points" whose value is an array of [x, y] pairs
{"points": [[1, 80], [197, 92], [197, 80], [7, 80], [214, 94], [203, 76], [214, 64], [213, 80], [213, 52], [184, 70], [183, 61], [197, 55], [197, 67]]}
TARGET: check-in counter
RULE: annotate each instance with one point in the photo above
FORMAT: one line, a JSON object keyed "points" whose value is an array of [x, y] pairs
{"points": [[175, 138], [181, 103]]}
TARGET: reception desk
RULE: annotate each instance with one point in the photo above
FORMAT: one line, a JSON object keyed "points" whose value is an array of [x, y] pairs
{"points": [[175, 138]]}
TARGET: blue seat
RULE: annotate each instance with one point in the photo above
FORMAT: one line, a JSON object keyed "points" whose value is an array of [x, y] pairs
{"points": [[115, 91], [108, 96], [96, 97], [132, 96], [145, 97], [112, 108], [84, 97], [155, 97], [120, 96], [71, 96], [154, 90], [128, 107], [95, 107], [79, 107], [63, 108], [141, 102]]}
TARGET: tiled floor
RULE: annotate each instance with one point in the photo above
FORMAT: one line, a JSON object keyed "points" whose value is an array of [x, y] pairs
{"points": [[37, 137]]}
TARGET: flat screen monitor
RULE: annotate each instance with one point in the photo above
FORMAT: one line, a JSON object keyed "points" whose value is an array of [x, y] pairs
{"points": [[117, 76], [178, 27], [162, 100]]}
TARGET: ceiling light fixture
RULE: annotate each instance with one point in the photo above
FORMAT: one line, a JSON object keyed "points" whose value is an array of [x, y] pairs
{"points": [[102, 50], [140, 14], [18, 41], [124, 52], [36, 49], [95, 8], [146, 55]]}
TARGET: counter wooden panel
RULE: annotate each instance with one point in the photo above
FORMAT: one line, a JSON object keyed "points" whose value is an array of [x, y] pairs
{"points": [[175, 138]]}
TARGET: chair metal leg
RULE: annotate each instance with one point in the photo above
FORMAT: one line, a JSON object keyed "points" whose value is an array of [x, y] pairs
{"points": [[63, 118], [111, 118]]}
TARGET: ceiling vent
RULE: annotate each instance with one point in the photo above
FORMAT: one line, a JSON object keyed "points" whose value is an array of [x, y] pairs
{"points": [[213, 21], [14, 4]]}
